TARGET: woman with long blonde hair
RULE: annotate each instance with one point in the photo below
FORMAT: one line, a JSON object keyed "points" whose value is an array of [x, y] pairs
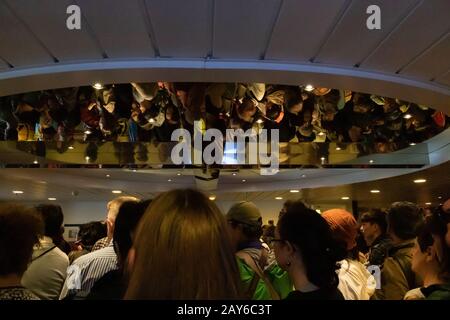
{"points": [[182, 250]]}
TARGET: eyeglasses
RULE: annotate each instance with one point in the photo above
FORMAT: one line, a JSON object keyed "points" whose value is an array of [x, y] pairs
{"points": [[441, 214]]}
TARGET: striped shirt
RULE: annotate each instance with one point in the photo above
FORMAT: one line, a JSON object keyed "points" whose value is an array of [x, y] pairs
{"points": [[86, 270]]}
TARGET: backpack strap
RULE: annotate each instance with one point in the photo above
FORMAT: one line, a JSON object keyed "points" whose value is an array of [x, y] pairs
{"points": [[259, 274], [44, 253]]}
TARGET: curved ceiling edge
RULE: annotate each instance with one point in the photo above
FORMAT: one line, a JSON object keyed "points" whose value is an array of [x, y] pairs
{"points": [[77, 74]]}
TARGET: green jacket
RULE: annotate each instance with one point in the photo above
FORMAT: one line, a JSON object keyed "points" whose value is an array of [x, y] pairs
{"points": [[279, 279], [437, 292]]}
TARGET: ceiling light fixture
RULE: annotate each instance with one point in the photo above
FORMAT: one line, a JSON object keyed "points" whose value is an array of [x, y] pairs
{"points": [[117, 191], [178, 174], [309, 87], [323, 158], [338, 149], [303, 175], [259, 121], [36, 162], [87, 158], [278, 198], [407, 116], [412, 144], [108, 175], [169, 180], [420, 181], [243, 180], [87, 132], [294, 191], [212, 197], [151, 120], [371, 161], [428, 203], [97, 86], [71, 148], [234, 173], [440, 197], [51, 199], [345, 198], [18, 192], [321, 133], [375, 191]]}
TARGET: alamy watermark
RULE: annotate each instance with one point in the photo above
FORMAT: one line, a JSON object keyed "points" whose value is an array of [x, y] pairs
{"points": [[256, 151]]}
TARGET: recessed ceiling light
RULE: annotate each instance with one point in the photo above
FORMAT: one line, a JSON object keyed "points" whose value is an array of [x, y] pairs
{"points": [[87, 131], [375, 191], [117, 191], [108, 175], [134, 170], [71, 148], [212, 197], [18, 192], [370, 161], [407, 116], [259, 121], [322, 158], [420, 180], [428, 203], [321, 133], [294, 191], [51, 199], [97, 86], [338, 149], [36, 162], [234, 173], [169, 180], [303, 175], [278, 198], [412, 144], [151, 120], [243, 180], [178, 174], [440, 197], [87, 158], [345, 198], [309, 87]]}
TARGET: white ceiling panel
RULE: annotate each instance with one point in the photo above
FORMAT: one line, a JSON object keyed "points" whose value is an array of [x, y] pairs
{"points": [[108, 25], [182, 28], [432, 63], [351, 41], [17, 44], [302, 25], [47, 20], [242, 28], [429, 24]]}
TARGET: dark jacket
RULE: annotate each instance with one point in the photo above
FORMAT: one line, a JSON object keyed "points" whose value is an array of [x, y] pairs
{"points": [[379, 250], [437, 292]]}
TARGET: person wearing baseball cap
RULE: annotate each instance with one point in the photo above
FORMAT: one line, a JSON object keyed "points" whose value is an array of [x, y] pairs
{"points": [[261, 280]]}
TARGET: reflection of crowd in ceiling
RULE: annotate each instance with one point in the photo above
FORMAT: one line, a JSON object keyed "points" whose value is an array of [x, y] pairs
{"points": [[142, 112]]}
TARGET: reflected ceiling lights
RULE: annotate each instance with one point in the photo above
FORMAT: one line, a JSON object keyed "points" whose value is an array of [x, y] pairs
{"points": [[420, 181], [375, 191]]}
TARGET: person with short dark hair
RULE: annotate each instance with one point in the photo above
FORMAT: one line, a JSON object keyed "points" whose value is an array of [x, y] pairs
{"points": [[47, 272], [88, 234], [446, 210], [404, 220], [431, 258], [20, 229], [305, 248], [373, 228]]}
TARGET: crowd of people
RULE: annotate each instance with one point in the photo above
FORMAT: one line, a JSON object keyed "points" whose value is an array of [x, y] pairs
{"points": [[144, 112], [180, 246]]}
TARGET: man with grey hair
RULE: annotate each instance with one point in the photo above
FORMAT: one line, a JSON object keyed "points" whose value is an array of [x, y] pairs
{"points": [[87, 269]]}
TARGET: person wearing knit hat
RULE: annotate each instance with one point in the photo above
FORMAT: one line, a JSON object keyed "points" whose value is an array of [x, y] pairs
{"points": [[355, 282]]}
